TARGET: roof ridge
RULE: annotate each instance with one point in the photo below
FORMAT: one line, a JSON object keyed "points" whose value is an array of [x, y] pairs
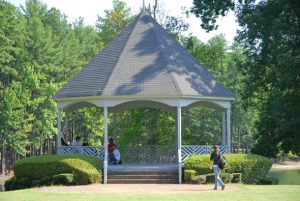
{"points": [[163, 53], [119, 55]]}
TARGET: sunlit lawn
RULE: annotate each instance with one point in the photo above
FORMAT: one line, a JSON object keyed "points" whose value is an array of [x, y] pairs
{"points": [[246, 193]]}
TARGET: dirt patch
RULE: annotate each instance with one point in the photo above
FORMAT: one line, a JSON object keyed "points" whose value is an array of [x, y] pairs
{"points": [[134, 188], [286, 165], [4, 178]]}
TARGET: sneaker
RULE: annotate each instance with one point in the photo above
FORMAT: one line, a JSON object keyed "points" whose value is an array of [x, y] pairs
{"points": [[215, 189], [223, 187]]}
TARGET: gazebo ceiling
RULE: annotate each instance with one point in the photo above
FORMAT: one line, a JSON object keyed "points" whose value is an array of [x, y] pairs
{"points": [[144, 60]]}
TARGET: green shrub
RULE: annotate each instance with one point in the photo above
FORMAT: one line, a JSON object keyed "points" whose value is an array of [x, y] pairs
{"points": [[252, 167], [274, 180], [236, 178], [65, 179], [14, 183], [198, 179], [45, 181], [210, 178], [199, 163], [10, 184], [269, 181], [87, 168], [188, 174], [289, 156], [225, 177], [36, 183]]}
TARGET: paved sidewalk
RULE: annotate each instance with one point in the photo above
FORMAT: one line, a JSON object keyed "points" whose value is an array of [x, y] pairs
{"points": [[134, 188]]}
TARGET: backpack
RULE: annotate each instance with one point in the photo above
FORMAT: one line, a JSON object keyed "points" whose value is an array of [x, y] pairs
{"points": [[222, 162]]}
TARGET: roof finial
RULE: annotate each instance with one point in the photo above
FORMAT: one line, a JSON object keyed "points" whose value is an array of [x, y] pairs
{"points": [[143, 5]]}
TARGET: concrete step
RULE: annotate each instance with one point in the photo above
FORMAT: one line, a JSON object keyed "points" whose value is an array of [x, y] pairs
{"points": [[154, 176], [142, 172], [142, 181]]}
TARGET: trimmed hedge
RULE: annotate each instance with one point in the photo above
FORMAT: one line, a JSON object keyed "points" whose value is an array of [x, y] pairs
{"points": [[252, 167], [86, 168], [21, 183], [14, 183], [236, 178], [199, 163], [198, 179], [189, 174], [210, 178], [65, 179]]}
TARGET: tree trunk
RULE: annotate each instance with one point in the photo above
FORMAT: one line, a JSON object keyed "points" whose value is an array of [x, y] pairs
{"points": [[3, 160], [239, 135], [41, 147], [154, 9], [154, 115]]}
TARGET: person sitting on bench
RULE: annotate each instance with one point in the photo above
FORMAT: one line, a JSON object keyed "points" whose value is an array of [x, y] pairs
{"points": [[116, 156]]}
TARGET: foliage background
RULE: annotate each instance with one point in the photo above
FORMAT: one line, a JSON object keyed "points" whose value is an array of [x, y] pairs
{"points": [[41, 51]]}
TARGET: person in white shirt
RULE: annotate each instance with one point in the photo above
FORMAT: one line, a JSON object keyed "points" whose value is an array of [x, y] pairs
{"points": [[77, 142], [116, 159]]}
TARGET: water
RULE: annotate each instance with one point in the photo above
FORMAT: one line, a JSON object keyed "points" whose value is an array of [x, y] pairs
{"points": [[2, 181], [2, 188], [286, 177]]}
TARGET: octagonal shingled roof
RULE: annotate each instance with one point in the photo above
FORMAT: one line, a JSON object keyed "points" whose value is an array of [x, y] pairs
{"points": [[144, 60]]}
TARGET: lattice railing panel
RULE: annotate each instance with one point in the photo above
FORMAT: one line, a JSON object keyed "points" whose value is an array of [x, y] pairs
{"points": [[189, 150], [144, 153], [148, 153], [224, 149], [87, 150]]}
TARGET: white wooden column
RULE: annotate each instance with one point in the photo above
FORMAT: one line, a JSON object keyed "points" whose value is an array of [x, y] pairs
{"points": [[176, 138], [105, 147], [58, 143], [224, 128], [179, 144], [228, 129]]}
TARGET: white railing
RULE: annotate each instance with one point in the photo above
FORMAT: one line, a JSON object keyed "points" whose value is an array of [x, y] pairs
{"points": [[189, 150], [148, 153], [96, 151], [144, 153]]}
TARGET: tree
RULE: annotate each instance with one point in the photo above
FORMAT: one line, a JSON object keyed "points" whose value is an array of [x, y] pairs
{"points": [[114, 22], [173, 25], [89, 40], [203, 124], [270, 38], [10, 106]]}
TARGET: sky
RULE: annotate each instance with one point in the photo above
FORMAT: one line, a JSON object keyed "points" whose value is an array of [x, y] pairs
{"points": [[90, 9]]}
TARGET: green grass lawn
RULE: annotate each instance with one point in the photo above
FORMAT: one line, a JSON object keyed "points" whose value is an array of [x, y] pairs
{"points": [[246, 193]]}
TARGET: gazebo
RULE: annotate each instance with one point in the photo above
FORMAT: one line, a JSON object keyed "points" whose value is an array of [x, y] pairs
{"points": [[145, 67]]}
